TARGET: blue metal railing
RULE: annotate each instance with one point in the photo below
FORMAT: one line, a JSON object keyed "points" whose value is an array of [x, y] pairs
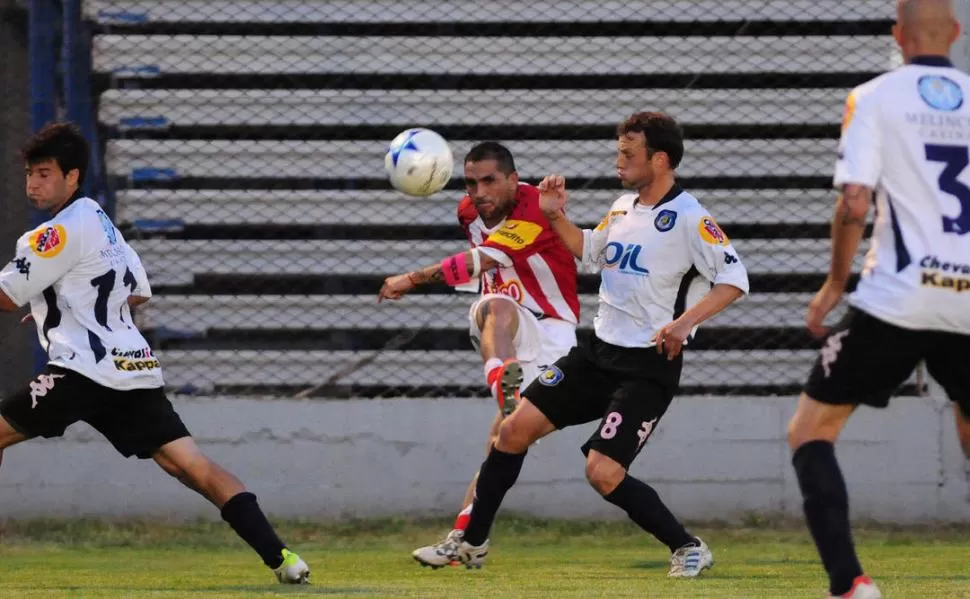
{"points": [[75, 70], [78, 99], [42, 64]]}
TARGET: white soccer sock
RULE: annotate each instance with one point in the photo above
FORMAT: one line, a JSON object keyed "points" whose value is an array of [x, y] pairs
{"points": [[490, 365]]}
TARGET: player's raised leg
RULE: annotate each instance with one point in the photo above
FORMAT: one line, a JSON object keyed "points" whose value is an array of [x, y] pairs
{"points": [[498, 473], [497, 318], [494, 327], [184, 460]]}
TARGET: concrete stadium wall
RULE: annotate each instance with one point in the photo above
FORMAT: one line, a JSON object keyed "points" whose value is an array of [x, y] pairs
{"points": [[712, 458]]}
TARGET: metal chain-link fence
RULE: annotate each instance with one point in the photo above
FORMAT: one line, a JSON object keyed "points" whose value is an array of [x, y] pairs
{"points": [[244, 147]]}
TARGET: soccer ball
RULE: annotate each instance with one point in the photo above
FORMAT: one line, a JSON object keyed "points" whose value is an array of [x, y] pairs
{"points": [[419, 162]]}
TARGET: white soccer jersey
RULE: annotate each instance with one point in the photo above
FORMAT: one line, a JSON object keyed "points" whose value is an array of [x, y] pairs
{"points": [[650, 258], [77, 272], [906, 135]]}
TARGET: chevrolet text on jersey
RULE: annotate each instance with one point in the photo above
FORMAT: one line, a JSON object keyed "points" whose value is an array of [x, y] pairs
{"points": [[906, 135]]}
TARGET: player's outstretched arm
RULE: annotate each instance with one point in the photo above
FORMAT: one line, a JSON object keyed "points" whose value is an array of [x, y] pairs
{"points": [[552, 202], [453, 270]]}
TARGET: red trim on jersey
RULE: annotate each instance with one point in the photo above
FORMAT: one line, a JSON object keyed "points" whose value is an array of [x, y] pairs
{"points": [[532, 235], [531, 284]]}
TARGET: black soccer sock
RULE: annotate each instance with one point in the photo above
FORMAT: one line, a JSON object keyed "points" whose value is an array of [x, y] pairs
{"points": [[498, 473], [643, 505], [244, 516], [827, 512]]}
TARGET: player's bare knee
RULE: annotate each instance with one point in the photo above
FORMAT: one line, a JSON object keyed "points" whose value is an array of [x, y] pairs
{"points": [[801, 432], [603, 473], [815, 421], [513, 436], [498, 313]]}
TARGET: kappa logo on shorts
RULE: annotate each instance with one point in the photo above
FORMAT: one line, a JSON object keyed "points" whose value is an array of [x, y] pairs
{"points": [[551, 376], [830, 351], [40, 387]]}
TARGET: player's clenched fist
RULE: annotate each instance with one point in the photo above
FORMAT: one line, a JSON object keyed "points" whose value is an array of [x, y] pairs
{"points": [[395, 287], [552, 194]]}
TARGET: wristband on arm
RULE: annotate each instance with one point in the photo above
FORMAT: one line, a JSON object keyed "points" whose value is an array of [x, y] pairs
{"points": [[455, 268]]}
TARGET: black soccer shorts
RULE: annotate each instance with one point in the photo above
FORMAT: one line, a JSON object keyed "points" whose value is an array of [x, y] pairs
{"points": [[864, 360], [626, 389], [136, 422]]}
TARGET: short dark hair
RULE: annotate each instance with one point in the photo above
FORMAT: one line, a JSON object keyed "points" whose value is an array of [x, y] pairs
{"points": [[64, 144], [661, 131], [492, 150]]}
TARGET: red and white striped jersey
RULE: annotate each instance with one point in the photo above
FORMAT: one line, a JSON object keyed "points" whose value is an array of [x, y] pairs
{"points": [[535, 268]]}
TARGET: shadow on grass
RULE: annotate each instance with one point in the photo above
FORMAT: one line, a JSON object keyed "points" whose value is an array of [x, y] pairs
{"points": [[651, 565], [249, 590]]}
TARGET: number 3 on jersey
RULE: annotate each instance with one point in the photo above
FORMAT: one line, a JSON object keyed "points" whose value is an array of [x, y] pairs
{"points": [[955, 160]]}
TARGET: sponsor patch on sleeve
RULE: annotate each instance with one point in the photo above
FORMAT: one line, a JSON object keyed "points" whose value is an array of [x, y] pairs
{"points": [[48, 242], [849, 111], [516, 234], [710, 232], [606, 219]]}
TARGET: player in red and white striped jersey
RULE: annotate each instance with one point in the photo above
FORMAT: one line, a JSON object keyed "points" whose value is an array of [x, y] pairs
{"points": [[526, 316]]}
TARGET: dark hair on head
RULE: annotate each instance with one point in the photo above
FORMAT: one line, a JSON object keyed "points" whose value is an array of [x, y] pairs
{"points": [[492, 150], [662, 132], [62, 143]]}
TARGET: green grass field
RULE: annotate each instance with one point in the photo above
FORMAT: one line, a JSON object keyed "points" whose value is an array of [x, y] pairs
{"points": [[529, 558]]}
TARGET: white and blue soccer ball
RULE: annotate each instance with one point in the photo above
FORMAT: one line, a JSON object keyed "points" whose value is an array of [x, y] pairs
{"points": [[419, 162]]}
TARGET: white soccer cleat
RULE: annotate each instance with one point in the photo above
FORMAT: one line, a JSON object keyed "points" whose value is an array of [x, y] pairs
{"points": [[293, 570], [441, 553], [473, 556], [690, 561], [862, 588], [452, 549]]}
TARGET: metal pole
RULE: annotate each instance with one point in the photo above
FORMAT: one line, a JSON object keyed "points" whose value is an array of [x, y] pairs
{"points": [[42, 65]]}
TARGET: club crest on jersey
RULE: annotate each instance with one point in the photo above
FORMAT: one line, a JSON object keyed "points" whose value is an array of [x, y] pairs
{"points": [[940, 92], [665, 221], [516, 234], [551, 376], [625, 258], [48, 242], [710, 232]]}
